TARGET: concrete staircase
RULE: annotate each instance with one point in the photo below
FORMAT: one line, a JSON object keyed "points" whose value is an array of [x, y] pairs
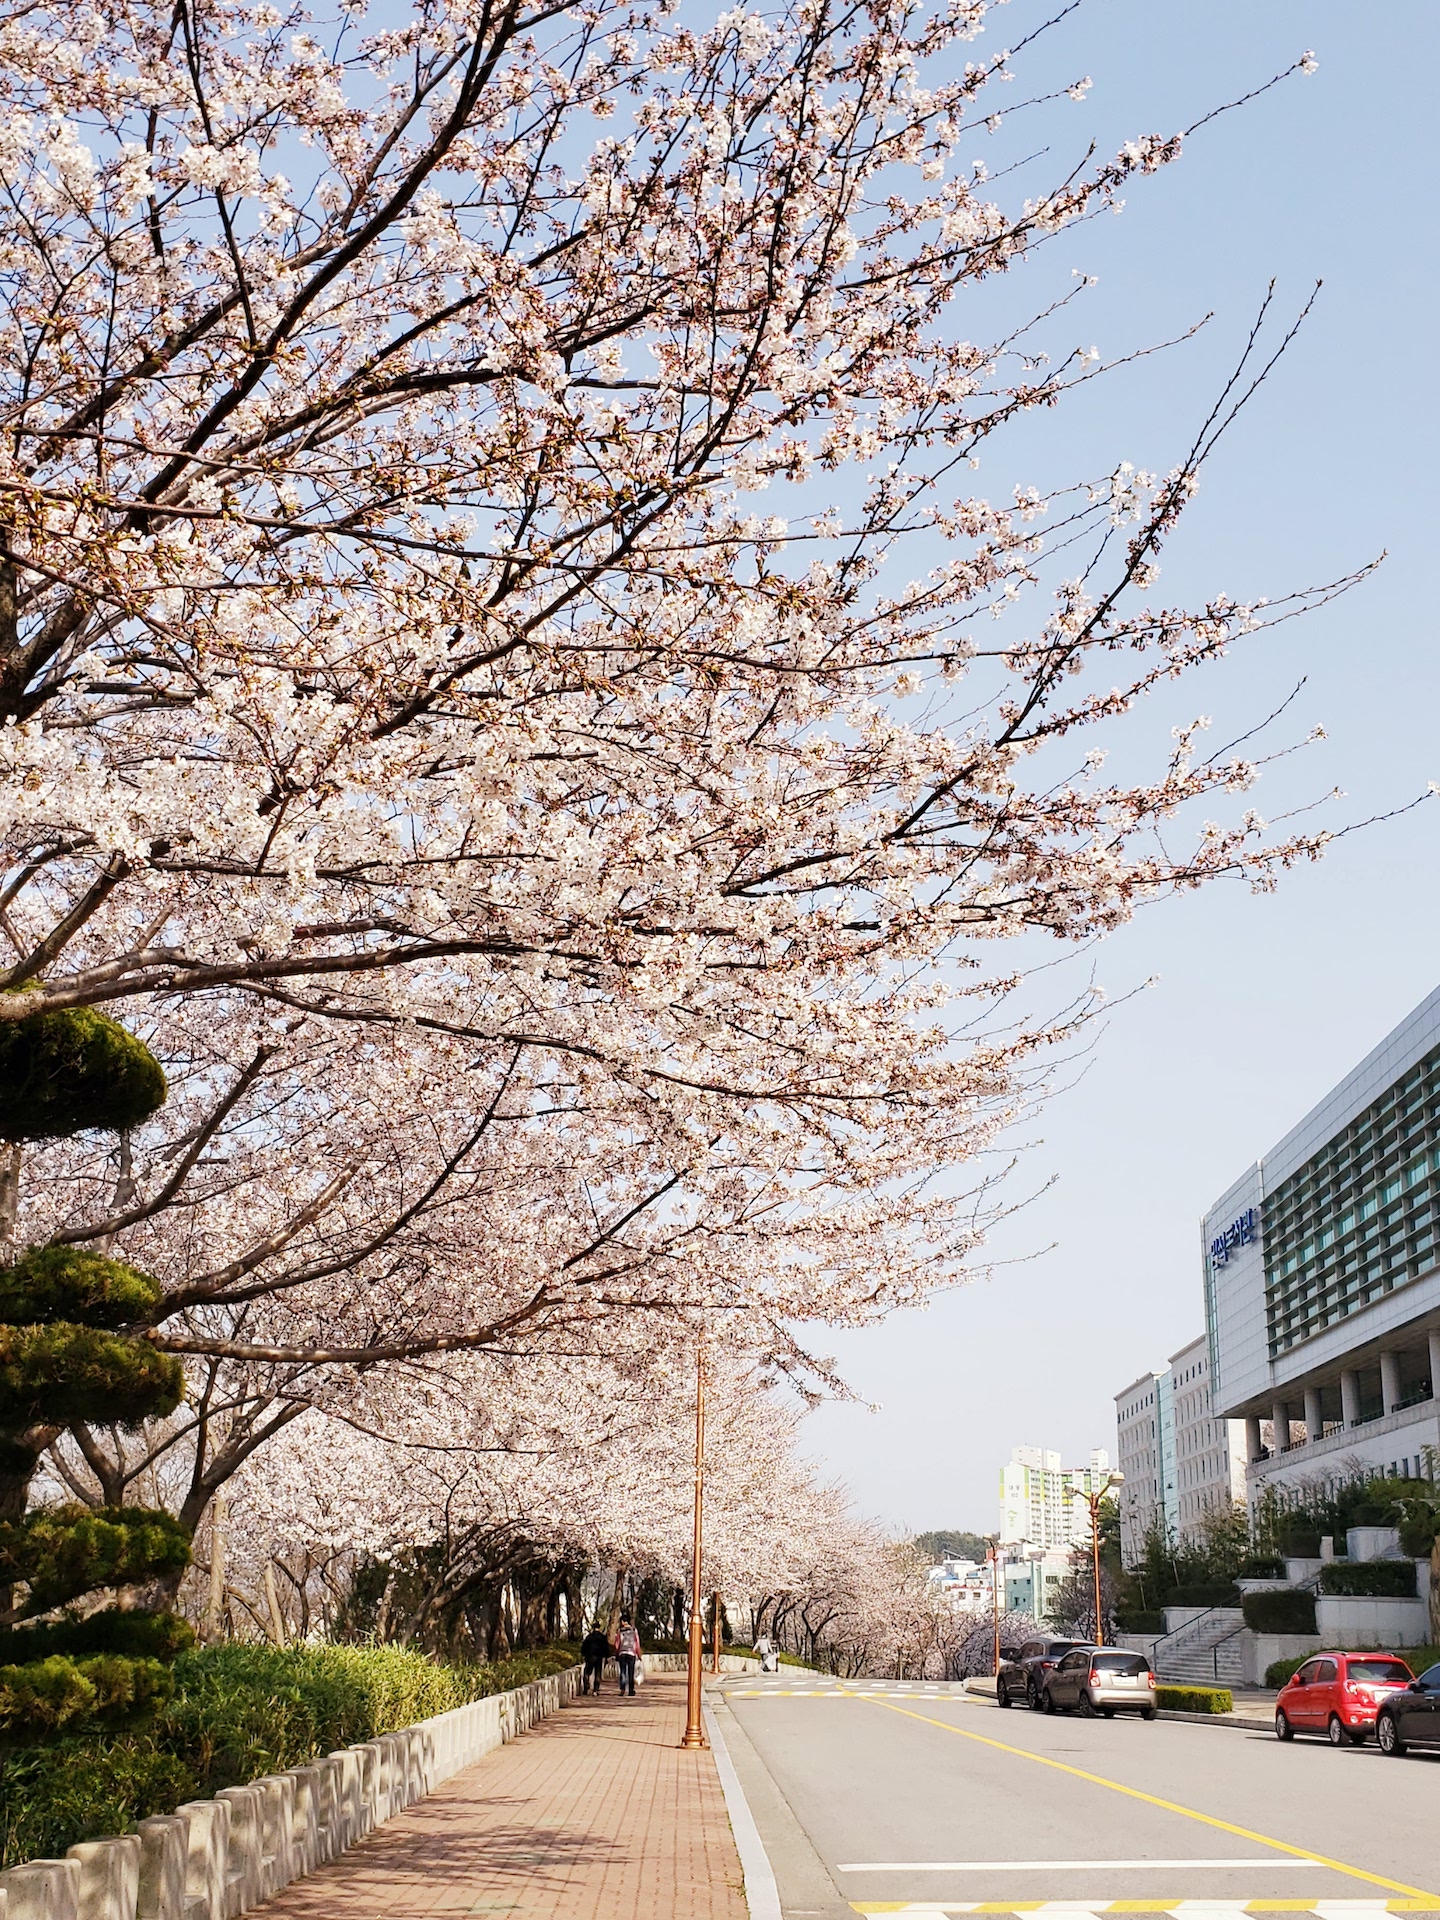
{"points": [[1204, 1653]]}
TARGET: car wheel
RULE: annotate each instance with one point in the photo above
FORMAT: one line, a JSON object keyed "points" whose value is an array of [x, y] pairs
{"points": [[1086, 1705], [1335, 1731], [1002, 1694], [1047, 1700], [1387, 1735], [1148, 1713], [1109, 1712], [1283, 1728], [1033, 1697]]}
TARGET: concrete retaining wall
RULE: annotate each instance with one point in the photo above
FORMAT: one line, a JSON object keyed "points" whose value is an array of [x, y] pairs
{"points": [[1360, 1620], [679, 1663], [214, 1859]]}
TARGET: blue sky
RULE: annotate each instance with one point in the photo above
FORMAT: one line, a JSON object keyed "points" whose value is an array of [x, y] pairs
{"points": [[1260, 1003]]}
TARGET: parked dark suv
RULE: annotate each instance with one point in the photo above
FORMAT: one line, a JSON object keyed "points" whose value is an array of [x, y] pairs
{"points": [[1022, 1676]]}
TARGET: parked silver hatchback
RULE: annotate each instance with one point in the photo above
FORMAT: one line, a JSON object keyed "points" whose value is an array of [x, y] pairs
{"points": [[1105, 1680]]}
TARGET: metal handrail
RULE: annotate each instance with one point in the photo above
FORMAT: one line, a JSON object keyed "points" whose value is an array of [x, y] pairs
{"points": [[1174, 1631], [1216, 1646]]}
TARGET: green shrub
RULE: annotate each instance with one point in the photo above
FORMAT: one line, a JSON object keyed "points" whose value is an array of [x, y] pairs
{"points": [[1262, 1566], [1301, 1543], [1284, 1611], [66, 1072], [1388, 1579], [237, 1712], [1137, 1620], [70, 1283], [82, 1789], [1195, 1699], [1207, 1593], [64, 1372]]}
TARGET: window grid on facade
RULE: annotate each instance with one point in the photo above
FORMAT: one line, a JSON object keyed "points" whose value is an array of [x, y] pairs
{"points": [[1359, 1218]]}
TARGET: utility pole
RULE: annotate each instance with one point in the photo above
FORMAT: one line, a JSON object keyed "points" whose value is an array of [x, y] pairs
{"points": [[694, 1726], [992, 1554]]}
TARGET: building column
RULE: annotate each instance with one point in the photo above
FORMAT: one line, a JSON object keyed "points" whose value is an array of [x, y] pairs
{"points": [[1253, 1448], [1350, 1398], [1280, 1420], [1389, 1381], [1314, 1424], [1434, 1339]]}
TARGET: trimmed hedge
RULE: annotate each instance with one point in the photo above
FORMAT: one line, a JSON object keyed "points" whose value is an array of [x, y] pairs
{"points": [[237, 1712], [1285, 1610], [1212, 1593], [1379, 1579], [1262, 1566], [1140, 1622], [1195, 1699]]}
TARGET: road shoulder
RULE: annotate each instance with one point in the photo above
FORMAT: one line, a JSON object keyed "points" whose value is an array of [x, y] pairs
{"points": [[804, 1884]]}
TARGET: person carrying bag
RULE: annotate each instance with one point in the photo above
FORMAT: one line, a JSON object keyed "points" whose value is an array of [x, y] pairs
{"points": [[627, 1653]]}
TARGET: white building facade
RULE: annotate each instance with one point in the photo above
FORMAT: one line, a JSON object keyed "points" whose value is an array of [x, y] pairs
{"points": [[1043, 1504], [1179, 1459], [1322, 1287], [1143, 1423], [1209, 1451]]}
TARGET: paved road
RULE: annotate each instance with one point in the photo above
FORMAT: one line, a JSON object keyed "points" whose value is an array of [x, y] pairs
{"points": [[896, 1799]]}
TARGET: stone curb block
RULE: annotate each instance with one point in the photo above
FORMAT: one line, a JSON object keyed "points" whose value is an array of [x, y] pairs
{"points": [[1247, 1723], [216, 1859]]}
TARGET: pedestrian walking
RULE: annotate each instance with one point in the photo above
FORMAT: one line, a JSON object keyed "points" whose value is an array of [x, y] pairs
{"points": [[627, 1652], [769, 1659], [595, 1650]]}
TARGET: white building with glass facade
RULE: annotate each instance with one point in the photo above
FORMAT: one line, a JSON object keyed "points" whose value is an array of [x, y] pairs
{"points": [[1322, 1284]]}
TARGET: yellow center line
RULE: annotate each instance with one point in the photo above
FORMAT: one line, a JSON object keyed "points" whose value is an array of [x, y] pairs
{"points": [[1153, 1800]]}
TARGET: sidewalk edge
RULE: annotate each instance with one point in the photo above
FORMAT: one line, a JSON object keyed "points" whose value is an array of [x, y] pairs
{"points": [[762, 1896]]}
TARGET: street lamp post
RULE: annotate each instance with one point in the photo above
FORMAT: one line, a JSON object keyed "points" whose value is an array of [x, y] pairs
{"points": [[992, 1554], [694, 1725], [1093, 1501]]}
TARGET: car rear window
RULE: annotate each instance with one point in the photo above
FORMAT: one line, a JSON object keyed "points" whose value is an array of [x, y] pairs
{"points": [[1119, 1662], [1379, 1670]]}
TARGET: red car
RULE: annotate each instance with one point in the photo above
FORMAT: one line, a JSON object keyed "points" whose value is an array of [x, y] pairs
{"points": [[1339, 1694]]}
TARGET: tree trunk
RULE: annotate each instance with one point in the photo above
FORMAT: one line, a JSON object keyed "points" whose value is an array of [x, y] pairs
{"points": [[214, 1611], [9, 1198]]}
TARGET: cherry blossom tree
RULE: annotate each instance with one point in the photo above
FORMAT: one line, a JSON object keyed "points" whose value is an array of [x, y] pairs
{"points": [[474, 1513], [555, 880], [392, 637]]}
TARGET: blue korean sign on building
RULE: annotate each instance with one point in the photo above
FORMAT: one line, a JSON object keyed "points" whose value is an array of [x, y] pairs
{"points": [[1240, 1233]]}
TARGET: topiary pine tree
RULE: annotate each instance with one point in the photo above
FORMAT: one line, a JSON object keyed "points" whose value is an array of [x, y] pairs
{"points": [[68, 1353]]}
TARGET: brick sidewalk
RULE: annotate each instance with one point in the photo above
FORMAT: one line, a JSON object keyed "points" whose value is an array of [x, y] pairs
{"points": [[593, 1815]]}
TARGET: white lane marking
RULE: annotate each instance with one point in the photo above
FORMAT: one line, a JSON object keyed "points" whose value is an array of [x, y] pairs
{"points": [[762, 1896], [1059, 1866], [1101, 1910]]}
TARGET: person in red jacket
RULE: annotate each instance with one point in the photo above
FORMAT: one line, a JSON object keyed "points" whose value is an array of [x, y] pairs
{"points": [[627, 1652]]}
